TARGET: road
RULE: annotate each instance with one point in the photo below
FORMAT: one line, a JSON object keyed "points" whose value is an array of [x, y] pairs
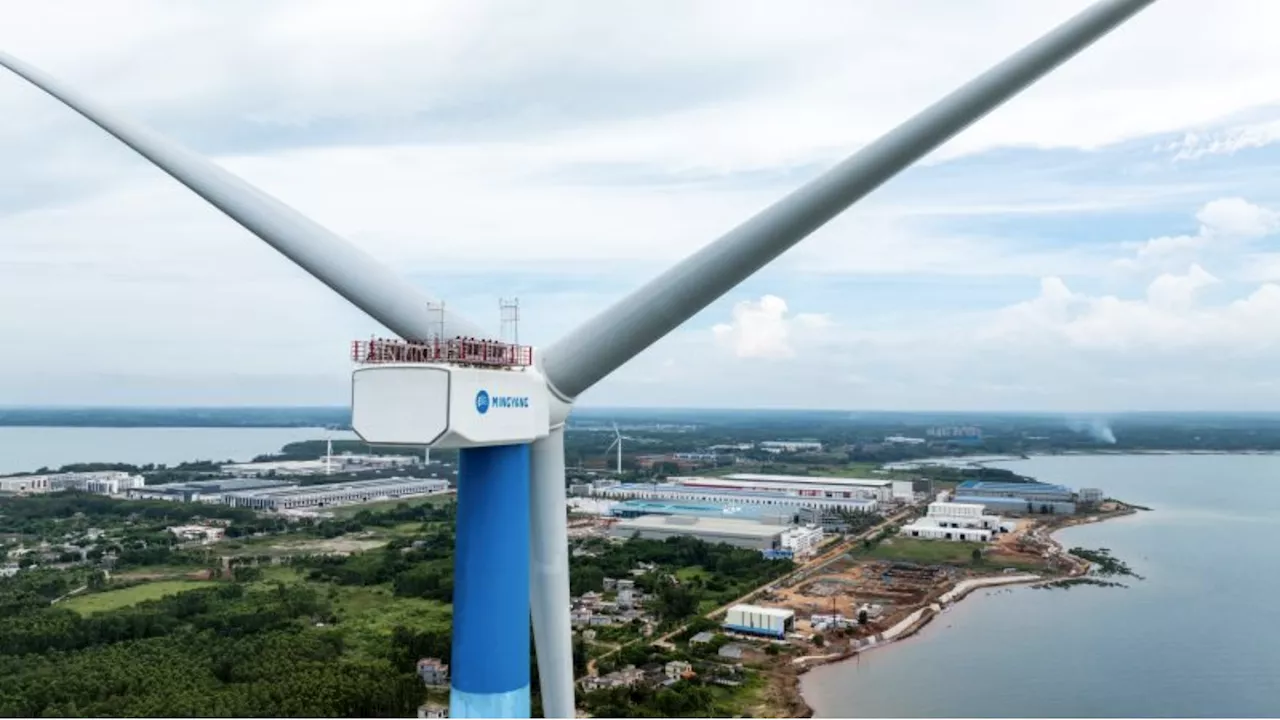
{"points": [[809, 567]]}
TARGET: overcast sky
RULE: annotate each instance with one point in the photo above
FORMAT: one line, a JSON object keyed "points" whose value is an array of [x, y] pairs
{"points": [[1109, 240]]}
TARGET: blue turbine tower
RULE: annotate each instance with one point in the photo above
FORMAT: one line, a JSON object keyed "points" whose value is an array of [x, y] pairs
{"points": [[507, 418]]}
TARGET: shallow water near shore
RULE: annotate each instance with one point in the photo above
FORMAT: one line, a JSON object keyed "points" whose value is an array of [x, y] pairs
{"points": [[1200, 636]]}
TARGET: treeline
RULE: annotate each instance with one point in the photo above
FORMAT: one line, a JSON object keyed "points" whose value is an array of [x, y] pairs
{"points": [[36, 513], [314, 449]]}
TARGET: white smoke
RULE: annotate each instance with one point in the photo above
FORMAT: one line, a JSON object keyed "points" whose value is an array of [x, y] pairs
{"points": [[1097, 428]]}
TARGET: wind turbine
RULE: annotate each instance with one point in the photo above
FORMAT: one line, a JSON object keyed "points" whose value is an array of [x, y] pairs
{"points": [[512, 554], [617, 440]]}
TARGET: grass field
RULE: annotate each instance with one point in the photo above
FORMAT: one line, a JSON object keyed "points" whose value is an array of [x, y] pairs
{"points": [[924, 552], [124, 597], [367, 615], [345, 511]]}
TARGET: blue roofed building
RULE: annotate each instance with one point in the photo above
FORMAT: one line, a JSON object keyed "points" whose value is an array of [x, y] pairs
{"points": [[759, 513], [1027, 490]]}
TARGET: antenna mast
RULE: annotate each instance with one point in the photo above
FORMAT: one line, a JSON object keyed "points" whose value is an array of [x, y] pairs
{"points": [[509, 312], [435, 311]]}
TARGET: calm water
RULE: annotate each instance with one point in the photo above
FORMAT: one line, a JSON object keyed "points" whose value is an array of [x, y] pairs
{"points": [[1199, 637], [29, 448]]}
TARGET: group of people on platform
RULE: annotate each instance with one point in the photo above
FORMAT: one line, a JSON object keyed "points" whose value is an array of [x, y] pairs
{"points": [[461, 350]]}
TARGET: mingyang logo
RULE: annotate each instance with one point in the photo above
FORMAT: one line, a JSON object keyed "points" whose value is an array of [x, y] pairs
{"points": [[484, 401]]}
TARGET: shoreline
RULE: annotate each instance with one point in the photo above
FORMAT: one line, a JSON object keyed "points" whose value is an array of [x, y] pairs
{"points": [[920, 618]]}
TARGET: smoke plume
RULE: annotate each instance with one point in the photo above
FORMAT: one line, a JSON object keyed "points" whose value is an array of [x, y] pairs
{"points": [[1097, 428]]}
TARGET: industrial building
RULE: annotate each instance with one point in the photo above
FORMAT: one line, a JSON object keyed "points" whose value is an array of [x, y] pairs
{"points": [[757, 620], [209, 491], [800, 485], [802, 541], [759, 513], [1090, 496], [684, 493], [311, 496], [829, 519], [925, 529], [1034, 491], [102, 482], [739, 533], [1018, 505], [781, 446], [963, 515], [954, 521]]}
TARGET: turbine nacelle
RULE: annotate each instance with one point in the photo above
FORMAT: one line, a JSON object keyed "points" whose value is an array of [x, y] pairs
{"points": [[447, 406]]}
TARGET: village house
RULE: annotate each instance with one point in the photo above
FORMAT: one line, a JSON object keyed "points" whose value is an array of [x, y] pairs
{"points": [[433, 672]]}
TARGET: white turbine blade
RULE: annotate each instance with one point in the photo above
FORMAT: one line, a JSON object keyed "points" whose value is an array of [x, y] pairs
{"points": [[615, 431], [603, 344], [349, 271], [615, 442], [549, 575]]}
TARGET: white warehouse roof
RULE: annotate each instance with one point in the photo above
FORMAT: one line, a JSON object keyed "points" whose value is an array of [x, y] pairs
{"points": [[703, 525], [860, 482], [760, 610]]}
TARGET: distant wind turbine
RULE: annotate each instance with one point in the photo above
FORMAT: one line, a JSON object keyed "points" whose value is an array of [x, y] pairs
{"points": [[512, 552], [617, 440]]}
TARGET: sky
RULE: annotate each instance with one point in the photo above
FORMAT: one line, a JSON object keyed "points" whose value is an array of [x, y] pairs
{"points": [[1109, 240]]}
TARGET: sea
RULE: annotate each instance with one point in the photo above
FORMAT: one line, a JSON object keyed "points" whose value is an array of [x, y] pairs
{"points": [[1199, 636], [24, 449]]}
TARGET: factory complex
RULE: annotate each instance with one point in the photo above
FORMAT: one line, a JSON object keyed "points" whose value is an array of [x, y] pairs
{"points": [[747, 491], [758, 513], [207, 491], [956, 521], [740, 533], [266, 494], [806, 486], [104, 482], [319, 496], [1025, 498]]}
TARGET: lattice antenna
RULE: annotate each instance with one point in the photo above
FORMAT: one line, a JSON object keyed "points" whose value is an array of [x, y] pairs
{"points": [[435, 310], [509, 311]]}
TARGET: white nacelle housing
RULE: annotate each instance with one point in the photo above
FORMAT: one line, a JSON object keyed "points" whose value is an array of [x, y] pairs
{"points": [[447, 406]]}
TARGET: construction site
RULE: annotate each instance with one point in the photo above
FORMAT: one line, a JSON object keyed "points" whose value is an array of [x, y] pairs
{"points": [[835, 595]]}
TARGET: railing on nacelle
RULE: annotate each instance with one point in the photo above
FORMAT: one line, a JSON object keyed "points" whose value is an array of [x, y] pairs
{"points": [[458, 351]]}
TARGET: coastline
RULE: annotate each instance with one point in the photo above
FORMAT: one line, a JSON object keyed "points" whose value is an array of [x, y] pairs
{"points": [[957, 592]]}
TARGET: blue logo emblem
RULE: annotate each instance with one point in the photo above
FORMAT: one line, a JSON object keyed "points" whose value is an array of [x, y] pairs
{"points": [[482, 402]]}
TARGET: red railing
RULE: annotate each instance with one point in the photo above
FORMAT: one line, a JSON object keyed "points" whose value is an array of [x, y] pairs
{"points": [[461, 351]]}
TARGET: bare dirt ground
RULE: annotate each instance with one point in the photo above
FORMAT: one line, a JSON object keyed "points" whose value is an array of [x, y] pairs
{"points": [[333, 546]]}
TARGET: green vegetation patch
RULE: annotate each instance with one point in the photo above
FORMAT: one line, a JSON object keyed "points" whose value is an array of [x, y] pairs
{"points": [[347, 511], [924, 552], [124, 597]]}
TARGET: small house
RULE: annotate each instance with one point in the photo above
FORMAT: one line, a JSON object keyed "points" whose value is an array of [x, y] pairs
{"points": [[433, 672]]}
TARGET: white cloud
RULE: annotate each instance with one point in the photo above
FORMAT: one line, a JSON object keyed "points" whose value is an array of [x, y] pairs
{"points": [[1226, 226], [602, 141], [1227, 141], [1237, 218], [762, 329]]}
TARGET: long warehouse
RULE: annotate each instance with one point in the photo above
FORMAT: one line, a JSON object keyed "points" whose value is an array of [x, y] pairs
{"points": [[805, 486], [336, 494], [683, 493], [740, 533]]}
